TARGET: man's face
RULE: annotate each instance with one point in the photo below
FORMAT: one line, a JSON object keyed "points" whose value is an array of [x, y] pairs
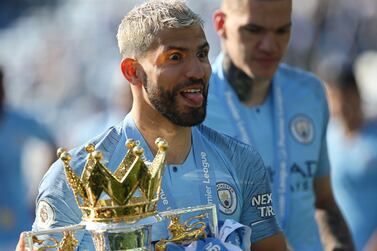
{"points": [[177, 71], [257, 35]]}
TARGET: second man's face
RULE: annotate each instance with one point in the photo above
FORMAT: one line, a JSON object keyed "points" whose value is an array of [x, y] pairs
{"points": [[177, 71], [257, 36]]}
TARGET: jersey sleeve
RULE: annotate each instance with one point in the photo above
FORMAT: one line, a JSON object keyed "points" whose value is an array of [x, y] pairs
{"points": [[56, 207], [56, 203], [257, 210]]}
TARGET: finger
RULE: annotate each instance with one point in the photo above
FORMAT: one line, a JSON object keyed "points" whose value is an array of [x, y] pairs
{"points": [[21, 243]]}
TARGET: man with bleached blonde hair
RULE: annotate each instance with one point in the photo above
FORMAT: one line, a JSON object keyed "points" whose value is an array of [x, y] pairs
{"points": [[165, 60]]}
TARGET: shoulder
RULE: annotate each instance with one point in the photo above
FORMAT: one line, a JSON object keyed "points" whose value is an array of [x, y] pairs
{"points": [[300, 80], [221, 140], [232, 149], [106, 143], [54, 191], [295, 73]]}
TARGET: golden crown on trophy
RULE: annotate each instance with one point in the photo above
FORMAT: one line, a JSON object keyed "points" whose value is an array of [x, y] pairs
{"points": [[131, 193]]}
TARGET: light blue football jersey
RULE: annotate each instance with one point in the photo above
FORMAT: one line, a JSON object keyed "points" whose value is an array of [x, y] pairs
{"points": [[353, 175], [288, 130], [218, 170]]}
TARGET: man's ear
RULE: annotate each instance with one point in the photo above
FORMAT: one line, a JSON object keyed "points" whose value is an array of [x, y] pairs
{"points": [[129, 69], [219, 22]]}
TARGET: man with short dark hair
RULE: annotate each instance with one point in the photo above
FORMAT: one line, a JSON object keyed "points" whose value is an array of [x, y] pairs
{"points": [[283, 112]]}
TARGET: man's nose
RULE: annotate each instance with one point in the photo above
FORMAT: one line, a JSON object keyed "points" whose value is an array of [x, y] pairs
{"points": [[196, 69], [269, 43]]}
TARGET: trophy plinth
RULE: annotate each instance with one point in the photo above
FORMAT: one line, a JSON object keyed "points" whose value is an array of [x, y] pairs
{"points": [[120, 209]]}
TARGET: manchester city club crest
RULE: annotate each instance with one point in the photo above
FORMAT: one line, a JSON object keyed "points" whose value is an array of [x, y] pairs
{"points": [[302, 129], [227, 197]]}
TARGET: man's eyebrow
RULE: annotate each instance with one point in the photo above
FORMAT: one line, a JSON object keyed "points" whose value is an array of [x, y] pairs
{"points": [[257, 26], [180, 48], [175, 48], [203, 46]]}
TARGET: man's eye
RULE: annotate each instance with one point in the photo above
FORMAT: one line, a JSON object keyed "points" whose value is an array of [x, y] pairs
{"points": [[202, 54], [283, 31], [175, 57]]}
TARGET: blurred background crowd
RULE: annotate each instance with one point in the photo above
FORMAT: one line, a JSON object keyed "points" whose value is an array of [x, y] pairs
{"points": [[62, 85]]}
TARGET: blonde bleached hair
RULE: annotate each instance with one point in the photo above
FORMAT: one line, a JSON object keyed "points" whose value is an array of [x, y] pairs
{"points": [[140, 27]]}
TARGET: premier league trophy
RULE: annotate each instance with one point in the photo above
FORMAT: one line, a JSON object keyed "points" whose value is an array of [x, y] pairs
{"points": [[120, 209]]}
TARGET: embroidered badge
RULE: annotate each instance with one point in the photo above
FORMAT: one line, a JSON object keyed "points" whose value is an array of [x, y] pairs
{"points": [[302, 129], [227, 197], [45, 215]]}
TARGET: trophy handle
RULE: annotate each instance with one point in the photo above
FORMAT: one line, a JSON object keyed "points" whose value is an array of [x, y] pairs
{"points": [[214, 229], [190, 230], [184, 233], [67, 243]]}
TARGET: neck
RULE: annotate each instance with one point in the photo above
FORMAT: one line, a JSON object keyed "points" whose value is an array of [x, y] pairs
{"points": [[153, 125], [250, 91]]}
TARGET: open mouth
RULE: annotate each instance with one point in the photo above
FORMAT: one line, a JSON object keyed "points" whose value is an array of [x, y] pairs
{"points": [[193, 96]]}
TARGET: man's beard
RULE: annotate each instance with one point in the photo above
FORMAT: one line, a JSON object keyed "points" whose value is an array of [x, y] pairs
{"points": [[165, 102]]}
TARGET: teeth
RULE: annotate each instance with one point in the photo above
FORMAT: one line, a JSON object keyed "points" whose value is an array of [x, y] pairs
{"points": [[192, 90]]}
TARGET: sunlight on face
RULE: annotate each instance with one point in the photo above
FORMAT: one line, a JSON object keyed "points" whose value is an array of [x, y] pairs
{"points": [[177, 75]]}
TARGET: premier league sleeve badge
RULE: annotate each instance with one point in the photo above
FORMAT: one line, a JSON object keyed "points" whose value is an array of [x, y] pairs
{"points": [[45, 215]]}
